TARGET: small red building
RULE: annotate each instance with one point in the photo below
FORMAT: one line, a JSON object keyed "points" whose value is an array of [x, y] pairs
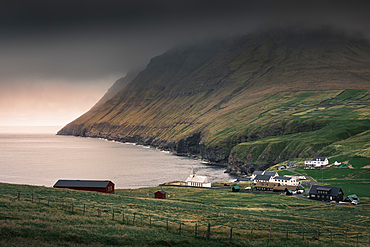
{"points": [[160, 194], [87, 185]]}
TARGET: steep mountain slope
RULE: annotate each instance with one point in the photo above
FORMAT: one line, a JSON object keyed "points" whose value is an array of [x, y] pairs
{"points": [[117, 86], [214, 98]]}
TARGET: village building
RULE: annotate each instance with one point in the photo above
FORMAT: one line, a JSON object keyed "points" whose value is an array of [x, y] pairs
{"points": [[275, 187], [337, 163], [352, 199], [256, 173], [281, 168], [87, 185], [291, 165], [235, 189], [296, 177], [261, 178], [160, 194], [244, 179], [325, 193], [317, 162], [197, 181], [284, 180]]}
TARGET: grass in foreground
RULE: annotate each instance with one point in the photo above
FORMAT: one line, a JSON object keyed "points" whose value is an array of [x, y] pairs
{"points": [[50, 219]]}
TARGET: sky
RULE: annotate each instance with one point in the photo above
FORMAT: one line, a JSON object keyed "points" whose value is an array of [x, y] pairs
{"points": [[59, 57]]}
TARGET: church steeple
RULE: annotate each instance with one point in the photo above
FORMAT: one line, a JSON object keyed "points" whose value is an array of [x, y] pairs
{"points": [[192, 173]]}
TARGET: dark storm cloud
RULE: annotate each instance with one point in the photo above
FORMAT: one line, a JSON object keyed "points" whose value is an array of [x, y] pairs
{"points": [[85, 40]]}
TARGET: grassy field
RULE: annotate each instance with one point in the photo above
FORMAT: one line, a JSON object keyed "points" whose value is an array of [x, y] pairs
{"points": [[47, 217]]}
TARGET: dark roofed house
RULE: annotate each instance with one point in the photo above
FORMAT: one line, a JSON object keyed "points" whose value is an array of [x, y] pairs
{"points": [[272, 174], [274, 187], [235, 188], [87, 185], [262, 178], [160, 194], [244, 179], [259, 173], [326, 193], [290, 164]]}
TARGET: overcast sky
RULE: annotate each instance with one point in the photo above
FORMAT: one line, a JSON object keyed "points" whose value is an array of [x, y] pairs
{"points": [[58, 57]]}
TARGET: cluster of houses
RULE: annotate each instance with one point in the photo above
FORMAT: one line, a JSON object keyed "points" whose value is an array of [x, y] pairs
{"points": [[272, 182], [319, 162], [262, 180]]}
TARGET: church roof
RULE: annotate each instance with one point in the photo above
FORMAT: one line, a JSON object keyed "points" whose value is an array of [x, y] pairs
{"points": [[197, 179]]}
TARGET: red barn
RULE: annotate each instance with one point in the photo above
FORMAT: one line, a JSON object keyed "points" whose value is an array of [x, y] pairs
{"points": [[160, 194], [88, 185]]}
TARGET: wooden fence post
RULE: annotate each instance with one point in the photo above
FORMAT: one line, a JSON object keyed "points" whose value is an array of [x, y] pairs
{"points": [[287, 235], [113, 214], [303, 234], [84, 209], [208, 231], [196, 229], [251, 234], [19, 196], [133, 221], [318, 234], [270, 233], [231, 233], [32, 198], [99, 213], [150, 221], [167, 224], [72, 207]]}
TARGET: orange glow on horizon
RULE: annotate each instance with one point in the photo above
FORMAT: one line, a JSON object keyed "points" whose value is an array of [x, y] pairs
{"points": [[47, 104]]}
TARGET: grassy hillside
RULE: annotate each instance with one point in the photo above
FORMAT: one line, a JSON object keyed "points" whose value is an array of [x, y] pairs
{"points": [[206, 98], [45, 217], [322, 124]]}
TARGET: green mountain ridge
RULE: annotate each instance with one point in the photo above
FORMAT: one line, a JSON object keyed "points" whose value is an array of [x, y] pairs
{"points": [[248, 102]]}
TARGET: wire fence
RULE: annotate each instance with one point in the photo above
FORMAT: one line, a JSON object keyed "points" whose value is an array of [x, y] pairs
{"points": [[206, 230]]}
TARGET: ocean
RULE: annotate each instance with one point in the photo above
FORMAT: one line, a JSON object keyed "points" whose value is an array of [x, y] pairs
{"points": [[43, 158]]}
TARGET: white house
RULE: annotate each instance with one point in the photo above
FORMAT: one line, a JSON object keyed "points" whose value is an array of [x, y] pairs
{"points": [[296, 177], [284, 180], [337, 163], [317, 162], [197, 181]]}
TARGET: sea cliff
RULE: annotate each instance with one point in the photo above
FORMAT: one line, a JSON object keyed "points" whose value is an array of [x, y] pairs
{"points": [[247, 102]]}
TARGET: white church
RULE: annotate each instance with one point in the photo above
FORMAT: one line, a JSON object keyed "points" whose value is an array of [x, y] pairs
{"points": [[197, 181]]}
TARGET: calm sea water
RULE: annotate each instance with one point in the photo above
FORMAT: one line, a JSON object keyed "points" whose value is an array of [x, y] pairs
{"points": [[42, 159]]}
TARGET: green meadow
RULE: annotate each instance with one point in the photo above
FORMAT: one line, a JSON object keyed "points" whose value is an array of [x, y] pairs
{"points": [[32, 215]]}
